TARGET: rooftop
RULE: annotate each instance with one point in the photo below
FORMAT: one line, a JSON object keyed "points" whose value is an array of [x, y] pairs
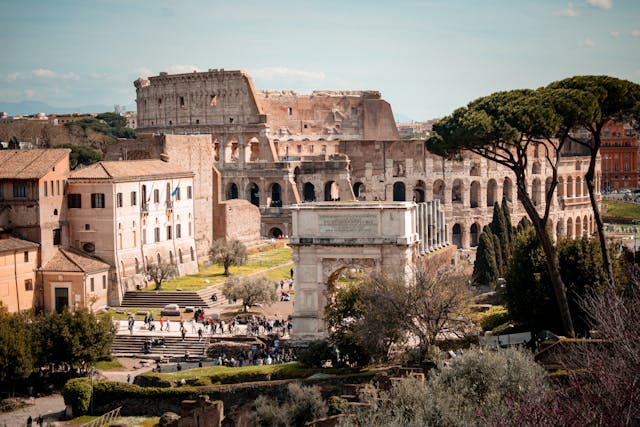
{"points": [[128, 170], [72, 260], [9, 244], [30, 164]]}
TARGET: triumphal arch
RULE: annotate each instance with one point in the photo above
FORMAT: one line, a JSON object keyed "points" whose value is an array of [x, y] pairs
{"points": [[330, 237]]}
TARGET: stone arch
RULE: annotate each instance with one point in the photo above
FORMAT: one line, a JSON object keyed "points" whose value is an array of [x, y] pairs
{"points": [[232, 191], [536, 192], [309, 192], [536, 168], [578, 186], [231, 150], [180, 259], [559, 229], [560, 188], [474, 232], [507, 189], [475, 170], [359, 191], [438, 190], [399, 192], [456, 235], [474, 194], [419, 191], [252, 150], [331, 191], [492, 192], [276, 195], [578, 228], [585, 226], [569, 187], [253, 194], [457, 189], [276, 233]]}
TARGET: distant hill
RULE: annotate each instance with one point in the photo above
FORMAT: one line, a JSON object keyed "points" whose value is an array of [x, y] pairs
{"points": [[24, 108], [399, 117]]}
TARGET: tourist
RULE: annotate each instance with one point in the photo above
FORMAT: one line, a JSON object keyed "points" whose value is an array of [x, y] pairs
{"points": [[168, 322], [29, 421], [183, 331], [199, 334], [161, 323]]}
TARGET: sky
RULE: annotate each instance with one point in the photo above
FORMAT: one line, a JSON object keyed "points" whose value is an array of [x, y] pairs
{"points": [[426, 57]]}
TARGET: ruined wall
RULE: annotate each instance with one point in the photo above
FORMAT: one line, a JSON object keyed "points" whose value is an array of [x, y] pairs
{"points": [[145, 146]]}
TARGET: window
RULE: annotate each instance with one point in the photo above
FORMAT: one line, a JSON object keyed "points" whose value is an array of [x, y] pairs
{"points": [[189, 192], [97, 200], [87, 227], [26, 256], [56, 236], [189, 228], [177, 191], [324, 149], [104, 280], [157, 234], [156, 196], [93, 285], [289, 111], [178, 231], [45, 186], [119, 200], [57, 188], [135, 240], [28, 285], [20, 190], [74, 201], [213, 101], [299, 148], [168, 232], [182, 101], [134, 199], [144, 236], [52, 188], [193, 255]]}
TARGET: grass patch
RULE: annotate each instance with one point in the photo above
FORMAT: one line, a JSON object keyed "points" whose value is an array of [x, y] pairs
{"points": [[214, 274], [619, 209], [108, 365], [215, 375]]}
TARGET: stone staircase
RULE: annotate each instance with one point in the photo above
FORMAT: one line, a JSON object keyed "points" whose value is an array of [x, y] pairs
{"points": [[158, 299], [131, 345]]}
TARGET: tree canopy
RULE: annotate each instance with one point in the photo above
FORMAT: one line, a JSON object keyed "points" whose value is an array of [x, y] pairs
{"points": [[228, 253], [257, 290], [81, 155]]}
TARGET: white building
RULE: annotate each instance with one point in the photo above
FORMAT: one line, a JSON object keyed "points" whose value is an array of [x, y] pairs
{"points": [[132, 214]]}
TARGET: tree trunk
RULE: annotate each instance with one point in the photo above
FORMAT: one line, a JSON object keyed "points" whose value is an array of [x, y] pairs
{"points": [[549, 252], [589, 177]]}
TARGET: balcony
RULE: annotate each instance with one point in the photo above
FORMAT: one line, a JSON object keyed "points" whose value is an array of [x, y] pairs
{"points": [[169, 205]]}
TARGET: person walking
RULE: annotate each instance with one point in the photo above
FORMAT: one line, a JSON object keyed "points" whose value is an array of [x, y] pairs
{"points": [[168, 322], [199, 334], [183, 331]]}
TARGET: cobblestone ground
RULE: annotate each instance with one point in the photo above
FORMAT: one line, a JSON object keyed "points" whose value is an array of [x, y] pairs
{"points": [[51, 408]]}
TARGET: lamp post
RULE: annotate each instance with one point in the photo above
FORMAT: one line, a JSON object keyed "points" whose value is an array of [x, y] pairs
{"points": [[91, 370]]}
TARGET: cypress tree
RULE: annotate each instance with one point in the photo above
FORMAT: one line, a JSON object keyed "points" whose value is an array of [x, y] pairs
{"points": [[500, 260], [507, 219], [485, 270], [500, 228]]}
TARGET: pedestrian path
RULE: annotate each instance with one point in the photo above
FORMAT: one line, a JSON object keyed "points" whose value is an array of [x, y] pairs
{"points": [[51, 408]]}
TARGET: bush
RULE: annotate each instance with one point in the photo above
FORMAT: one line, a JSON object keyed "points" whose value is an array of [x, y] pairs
{"points": [[77, 393], [303, 404], [315, 354], [493, 317], [338, 405]]}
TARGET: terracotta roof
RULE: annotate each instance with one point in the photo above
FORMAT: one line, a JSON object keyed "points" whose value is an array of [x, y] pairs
{"points": [[30, 164], [9, 244], [68, 259], [129, 170]]}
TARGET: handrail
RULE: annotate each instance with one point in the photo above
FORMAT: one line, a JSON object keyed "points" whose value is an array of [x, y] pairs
{"points": [[105, 419]]}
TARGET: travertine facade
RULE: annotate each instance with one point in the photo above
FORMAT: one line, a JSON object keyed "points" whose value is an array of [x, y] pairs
{"points": [[18, 265], [277, 148]]}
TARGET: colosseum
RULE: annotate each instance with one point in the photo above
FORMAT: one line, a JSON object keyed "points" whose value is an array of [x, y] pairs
{"points": [[277, 148]]}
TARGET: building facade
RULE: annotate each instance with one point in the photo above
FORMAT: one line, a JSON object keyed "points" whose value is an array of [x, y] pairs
{"points": [[18, 264], [619, 156], [279, 148]]}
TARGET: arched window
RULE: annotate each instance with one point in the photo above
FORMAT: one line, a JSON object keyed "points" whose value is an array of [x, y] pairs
{"points": [[331, 191], [399, 193], [457, 235], [438, 190], [359, 191], [276, 200], [456, 191], [475, 232], [507, 189], [232, 191], [254, 194], [419, 192], [569, 228], [536, 192], [309, 192], [193, 254], [123, 272], [474, 196], [492, 192]]}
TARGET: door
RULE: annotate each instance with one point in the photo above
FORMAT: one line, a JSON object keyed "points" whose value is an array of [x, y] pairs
{"points": [[61, 299]]}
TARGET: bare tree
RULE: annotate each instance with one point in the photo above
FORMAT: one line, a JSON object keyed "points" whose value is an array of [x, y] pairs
{"points": [[160, 272], [257, 290], [228, 253]]}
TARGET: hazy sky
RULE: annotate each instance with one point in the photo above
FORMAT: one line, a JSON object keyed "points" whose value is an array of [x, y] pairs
{"points": [[426, 57]]}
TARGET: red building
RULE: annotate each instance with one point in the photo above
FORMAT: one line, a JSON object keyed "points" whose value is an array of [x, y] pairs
{"points": [[619, 156]]}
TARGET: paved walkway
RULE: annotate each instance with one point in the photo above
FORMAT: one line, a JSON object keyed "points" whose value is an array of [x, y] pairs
{"points": [[51, 408]]}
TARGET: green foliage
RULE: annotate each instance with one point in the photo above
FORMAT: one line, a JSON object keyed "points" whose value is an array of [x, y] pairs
{"points": [[17, 348], [303, 404], [493, 317], [110, 124], [77, 393], [81, 155], [114, 120], [252, 290], [619, 209], [228, 253], [485, 269], [478, 388], [316, 353], [529, 294], [338, 405]]}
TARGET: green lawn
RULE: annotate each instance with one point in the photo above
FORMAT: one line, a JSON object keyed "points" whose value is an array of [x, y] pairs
{"points": [[620, 209], [257, 262]]}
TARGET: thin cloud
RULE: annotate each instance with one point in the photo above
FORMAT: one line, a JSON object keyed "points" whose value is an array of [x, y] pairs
{"points": [[41, 73], [601, 4], [614, 34], [589, 43], [143, 72], [182, 68], [635, 33], [273, 73], [570, 11]]}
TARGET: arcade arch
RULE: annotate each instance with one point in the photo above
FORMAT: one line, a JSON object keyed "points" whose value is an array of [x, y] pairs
{"points": [[399, 192]]}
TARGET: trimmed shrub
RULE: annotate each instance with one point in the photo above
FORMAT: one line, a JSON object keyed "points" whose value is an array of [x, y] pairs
{"points": [[495, 316], [77, 393]]}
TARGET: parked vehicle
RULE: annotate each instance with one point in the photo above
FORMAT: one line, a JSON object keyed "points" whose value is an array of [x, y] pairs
{"points": [[170, 310]]}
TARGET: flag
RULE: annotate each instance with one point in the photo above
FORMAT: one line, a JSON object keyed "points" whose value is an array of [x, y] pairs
{"points": [[175, 190], [150, 193]]}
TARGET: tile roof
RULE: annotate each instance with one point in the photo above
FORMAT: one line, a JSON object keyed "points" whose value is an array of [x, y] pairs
{"points": [[130, 170], [10, 244], [68, 259], [30, 164]]}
